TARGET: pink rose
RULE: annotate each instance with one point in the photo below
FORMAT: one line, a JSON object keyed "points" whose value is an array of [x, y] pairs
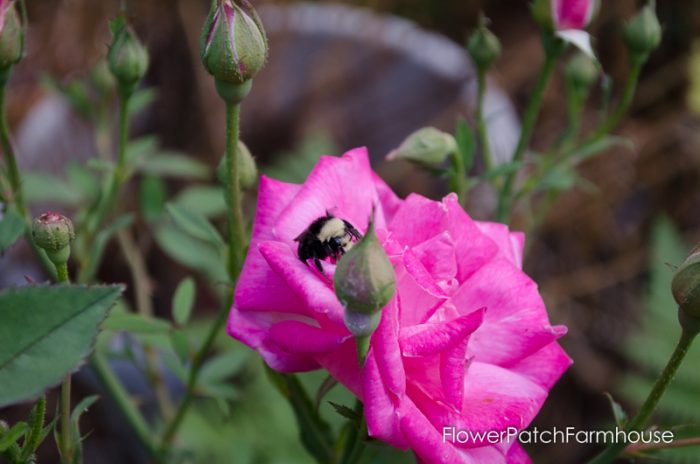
{"points": [[572, 14], [465, 342]]}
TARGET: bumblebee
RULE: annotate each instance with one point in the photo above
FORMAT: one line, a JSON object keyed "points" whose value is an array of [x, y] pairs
{"points": [[326, 237]]}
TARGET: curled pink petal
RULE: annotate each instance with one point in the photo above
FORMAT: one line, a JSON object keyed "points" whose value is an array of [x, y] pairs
{"points": [[572, 14]]}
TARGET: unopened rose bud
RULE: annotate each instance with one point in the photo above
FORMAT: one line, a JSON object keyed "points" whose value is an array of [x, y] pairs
{"points": [[54, 232], [643, 33], [11, 34], [127, 57], [685, 285], [247, 170], [581, 73], [561, 15], [364, 282], [233, 42], [428, 147], [483, 47]]}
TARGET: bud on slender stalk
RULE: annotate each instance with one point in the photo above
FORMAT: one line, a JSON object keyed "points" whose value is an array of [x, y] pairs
{"points": [[483, 46], [233, 43], [11, 34], [581, 73], [54, 232], [247, 170], [643, 33], [364, 283], [427, 147], [127, 57], [685, 287]]}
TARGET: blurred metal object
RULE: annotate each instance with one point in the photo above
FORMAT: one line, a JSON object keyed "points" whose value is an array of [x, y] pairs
{"points": [[366, 79]]}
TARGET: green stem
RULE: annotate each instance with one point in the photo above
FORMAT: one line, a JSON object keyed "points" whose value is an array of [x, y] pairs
{"points": [[612, 451], [625, 100], [355, 445], [236, 229], [64, 438], [553, 50], [111, 192], [197, 363], [15, 179], [66, 445], [121, 397], [459, 176], [482, 133]]}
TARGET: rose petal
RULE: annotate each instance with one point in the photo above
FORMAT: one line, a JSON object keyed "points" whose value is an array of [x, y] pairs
{"points": [[343, 186], [253, 329], [545, 366], [432, 338], [299, 338], [380, 406]]}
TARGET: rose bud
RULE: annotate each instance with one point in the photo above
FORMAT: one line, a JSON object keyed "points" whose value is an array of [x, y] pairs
{"points": [[581, 73], [685, 286], [53, 233], [127, 57], [233, 42], [11, 34], [247, 170], [483, 46], [643, 33], [427, 147], [364, 283], [564, 14]]}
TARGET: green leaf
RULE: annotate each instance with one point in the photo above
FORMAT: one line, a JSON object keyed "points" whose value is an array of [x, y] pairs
{"points": [[599, 146], [36, 425], [81, 407], [183, 301], [39, 187], [141, 149], [152, 197], [82, 180], [618, 412], [315, 433], [195, 225], [136, 323], [141, 99], [181, 345], [222, 367], [45, 332], [11, 228], [100, 242], [192, 253], [466, 143], [11, 436], [205, 200], [174, 165], [345, 411]]}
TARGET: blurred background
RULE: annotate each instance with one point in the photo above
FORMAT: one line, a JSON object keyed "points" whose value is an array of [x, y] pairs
{"points": [[348, 73]]}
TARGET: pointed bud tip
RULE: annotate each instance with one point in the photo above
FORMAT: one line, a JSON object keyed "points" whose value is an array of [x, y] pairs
{"points": [[427, 147], [233, 44], [364, 278]]}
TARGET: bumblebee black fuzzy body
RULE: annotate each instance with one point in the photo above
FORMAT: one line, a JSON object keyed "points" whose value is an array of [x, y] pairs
{"points": [[326, 237]]}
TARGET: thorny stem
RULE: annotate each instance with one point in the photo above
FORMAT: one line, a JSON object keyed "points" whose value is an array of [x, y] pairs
{"points": [[236, 229], [66, 445], [531, 115], [612, 451], [15, 180], [481, 122]]}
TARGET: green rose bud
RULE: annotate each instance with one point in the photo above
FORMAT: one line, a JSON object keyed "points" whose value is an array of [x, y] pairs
{"points": [[643, 33], [685, 285], [427, 147], [247, 170], [233, 42], [127, 58], [364, 282], [581, 73], [364, 278], [11, 34], [541, 11], [483, 46], [53, 233]]}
